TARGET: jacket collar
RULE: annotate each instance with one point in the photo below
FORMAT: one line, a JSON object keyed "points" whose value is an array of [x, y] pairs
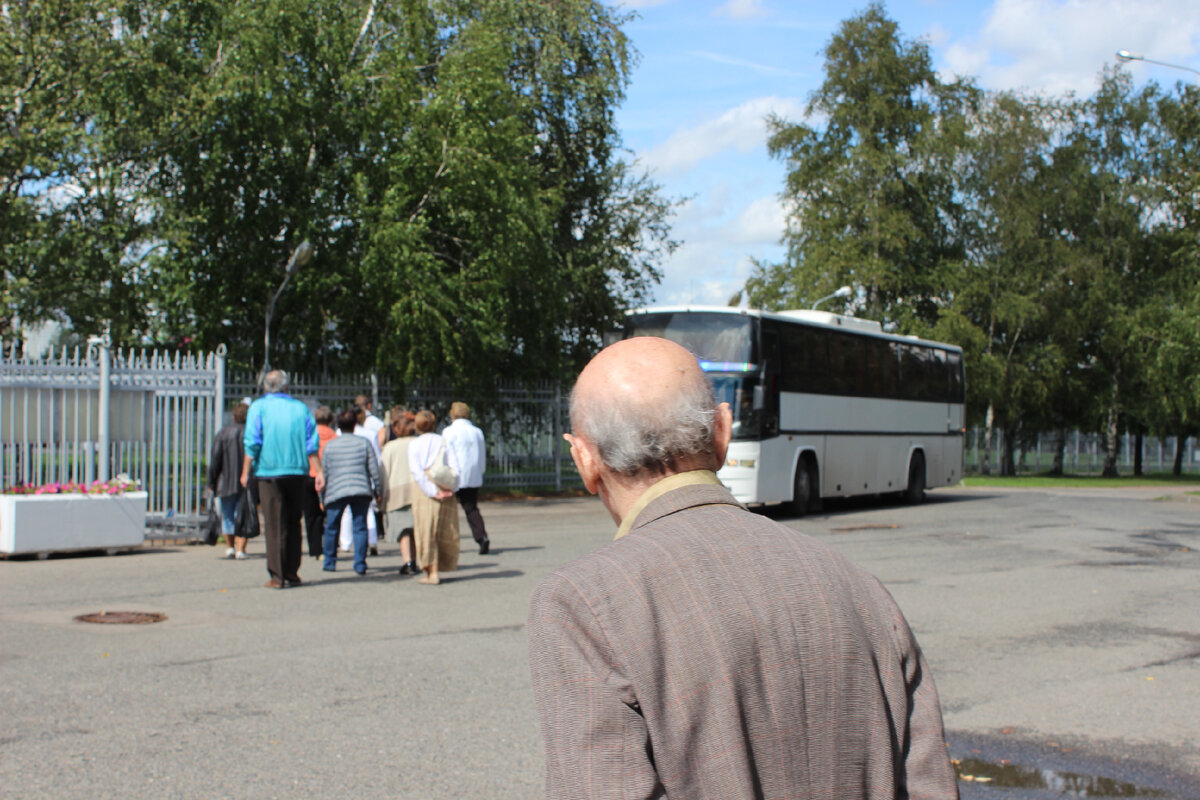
{"points": [[675, 493]]}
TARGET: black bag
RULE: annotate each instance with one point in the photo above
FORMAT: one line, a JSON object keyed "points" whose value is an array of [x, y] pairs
{"points": [[212, 525], [246, 523]]}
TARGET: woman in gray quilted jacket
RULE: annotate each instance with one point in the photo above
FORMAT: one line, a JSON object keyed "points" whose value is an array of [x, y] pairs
{"points": [[351, 481]]}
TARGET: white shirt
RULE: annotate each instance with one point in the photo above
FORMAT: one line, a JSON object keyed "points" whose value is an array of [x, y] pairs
{"points": [[467, 443], [365, 432], [372, 423], [421, 455]]}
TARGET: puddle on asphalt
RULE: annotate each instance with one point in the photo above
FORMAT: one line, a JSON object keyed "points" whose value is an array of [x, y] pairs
{"points": [[1067, 784]]}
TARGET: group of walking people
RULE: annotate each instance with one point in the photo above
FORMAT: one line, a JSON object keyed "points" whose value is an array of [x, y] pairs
{"points": [[353, 479]]}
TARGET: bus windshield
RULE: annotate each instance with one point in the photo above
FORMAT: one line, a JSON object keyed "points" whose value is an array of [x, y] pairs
{"points": [[724, 340]]}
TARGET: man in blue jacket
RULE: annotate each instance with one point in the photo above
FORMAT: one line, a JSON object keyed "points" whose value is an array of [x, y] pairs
{"points": [[281, 447]]}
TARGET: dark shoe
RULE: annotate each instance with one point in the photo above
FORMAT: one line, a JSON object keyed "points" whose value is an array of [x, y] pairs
{"points": [[485, 546], [274, 584], [329, 569], [410, 568], [294, 580], [374, 551], [360, 573]]}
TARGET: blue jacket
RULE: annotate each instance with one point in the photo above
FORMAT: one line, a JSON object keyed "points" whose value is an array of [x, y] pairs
{"points": [[280, 435]]}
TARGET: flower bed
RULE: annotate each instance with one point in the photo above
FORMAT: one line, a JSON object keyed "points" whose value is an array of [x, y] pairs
{"points": [[69, 517]]}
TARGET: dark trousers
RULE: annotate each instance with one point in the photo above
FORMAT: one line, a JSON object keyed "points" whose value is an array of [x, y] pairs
{"points": [[282, 501], [314, 517], [468, 499]]}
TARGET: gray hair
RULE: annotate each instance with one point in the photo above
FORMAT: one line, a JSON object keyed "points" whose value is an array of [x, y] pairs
{"points": [[275, 381], [632, 436]]}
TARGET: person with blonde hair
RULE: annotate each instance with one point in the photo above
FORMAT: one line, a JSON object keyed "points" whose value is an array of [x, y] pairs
{"points": [[435, 511]]}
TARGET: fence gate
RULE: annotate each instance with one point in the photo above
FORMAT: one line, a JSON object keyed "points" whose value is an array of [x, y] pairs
{"points": [[92, 415]]}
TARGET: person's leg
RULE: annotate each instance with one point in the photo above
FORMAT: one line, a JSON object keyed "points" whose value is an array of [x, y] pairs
{"points": [[333, 526], [360, 510], [228, 505], [373, 529], [293, 508], [468, 498], [270, 502], [314, 522]]}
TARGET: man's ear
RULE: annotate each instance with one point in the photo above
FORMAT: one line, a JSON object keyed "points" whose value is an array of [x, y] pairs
{"points": [[722, 433], [586, 462]]}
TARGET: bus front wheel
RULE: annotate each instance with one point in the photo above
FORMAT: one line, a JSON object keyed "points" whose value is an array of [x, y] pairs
{"points": [[803, 489], [915, 493]]}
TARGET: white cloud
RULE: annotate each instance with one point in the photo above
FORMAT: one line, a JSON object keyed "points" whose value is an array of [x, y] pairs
{"points": [[741, 129], [721, 235], [1060, 46], [742, 9]]}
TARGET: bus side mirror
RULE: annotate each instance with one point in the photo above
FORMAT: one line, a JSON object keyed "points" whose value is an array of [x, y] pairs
{"points": [[758, 398]]}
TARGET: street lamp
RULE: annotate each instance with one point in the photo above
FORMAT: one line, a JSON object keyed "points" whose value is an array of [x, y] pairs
{"points": [[845, 291], [300, 256], [1125, 55]]}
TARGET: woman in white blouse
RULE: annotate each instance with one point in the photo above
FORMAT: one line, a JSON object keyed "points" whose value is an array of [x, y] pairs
{"points": [[435, 511]]}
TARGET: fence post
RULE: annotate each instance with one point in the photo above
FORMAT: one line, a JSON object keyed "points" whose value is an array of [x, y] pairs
{"points": [[105, 432], [219, 390], [557, 437], [374, 391]]}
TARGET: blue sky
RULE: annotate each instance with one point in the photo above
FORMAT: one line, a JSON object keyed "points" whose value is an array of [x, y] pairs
{"points": [[710, 71]]}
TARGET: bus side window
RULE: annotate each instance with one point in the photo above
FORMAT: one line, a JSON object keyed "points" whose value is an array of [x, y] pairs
{"points": [[954, 363], [771, 380]]}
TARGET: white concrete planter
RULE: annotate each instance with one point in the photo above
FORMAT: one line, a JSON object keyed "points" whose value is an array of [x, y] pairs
{"points": [[52, 523]]}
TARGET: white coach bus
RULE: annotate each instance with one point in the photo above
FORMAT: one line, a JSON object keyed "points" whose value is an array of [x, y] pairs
{"points": [[823, 405]]}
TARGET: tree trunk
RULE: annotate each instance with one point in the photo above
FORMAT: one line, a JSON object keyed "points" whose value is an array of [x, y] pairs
{"points": [[1112, 432], [1137, 454], [985, 466], [1180, 449], [1007, 463], [1060, 445]]}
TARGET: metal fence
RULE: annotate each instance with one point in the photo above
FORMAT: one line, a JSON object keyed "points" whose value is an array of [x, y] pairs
{"points": [[1083, 453], [92, 414], [522, 425]]}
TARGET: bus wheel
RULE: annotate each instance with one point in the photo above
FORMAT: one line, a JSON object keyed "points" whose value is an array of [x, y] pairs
{"points": [[802, 489], [915, 493]]}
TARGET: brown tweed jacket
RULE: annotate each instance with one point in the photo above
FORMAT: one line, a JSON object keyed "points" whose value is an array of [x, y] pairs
{"points": [[714, 653]]}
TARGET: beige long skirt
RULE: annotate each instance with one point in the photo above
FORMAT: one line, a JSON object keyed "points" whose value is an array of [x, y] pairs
{"points": [[435, 531]]}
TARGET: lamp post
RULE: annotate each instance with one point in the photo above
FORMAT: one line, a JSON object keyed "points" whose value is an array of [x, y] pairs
{"points": [[1126, 56], [300, 256], [845, 291]]}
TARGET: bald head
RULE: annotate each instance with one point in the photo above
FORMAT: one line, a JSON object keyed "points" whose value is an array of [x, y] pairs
{"points": [[645, 405]]}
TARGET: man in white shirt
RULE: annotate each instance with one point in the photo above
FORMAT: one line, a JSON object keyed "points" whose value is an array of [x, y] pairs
{"points": [[466, 441]]}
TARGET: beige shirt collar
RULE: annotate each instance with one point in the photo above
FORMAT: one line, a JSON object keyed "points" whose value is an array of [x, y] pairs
{"points": [[667, 484]]}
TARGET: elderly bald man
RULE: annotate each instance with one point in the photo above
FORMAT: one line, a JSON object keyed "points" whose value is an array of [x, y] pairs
{"points": [[709, 651]]}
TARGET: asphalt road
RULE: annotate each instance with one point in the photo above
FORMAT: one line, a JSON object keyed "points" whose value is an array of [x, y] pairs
{"points": [[1063, 631]]}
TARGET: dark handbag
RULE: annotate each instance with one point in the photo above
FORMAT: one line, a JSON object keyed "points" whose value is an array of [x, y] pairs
{"points": [[246, 523], [212, 525]]}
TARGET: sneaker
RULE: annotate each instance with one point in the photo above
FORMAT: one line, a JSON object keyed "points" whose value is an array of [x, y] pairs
{"points": [[239, 555], [230, 553], [374, 551]]}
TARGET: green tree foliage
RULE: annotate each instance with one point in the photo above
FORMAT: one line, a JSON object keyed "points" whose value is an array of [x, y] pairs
{"points": [[455, 165], [1057, 241], [72, 212], [872, 187]]}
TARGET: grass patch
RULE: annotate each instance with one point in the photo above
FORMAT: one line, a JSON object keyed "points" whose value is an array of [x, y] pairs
{"points": [[1044, 481]]}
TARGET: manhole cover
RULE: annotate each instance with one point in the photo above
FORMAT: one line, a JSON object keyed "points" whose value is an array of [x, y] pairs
{"points": [[121, 617]]}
